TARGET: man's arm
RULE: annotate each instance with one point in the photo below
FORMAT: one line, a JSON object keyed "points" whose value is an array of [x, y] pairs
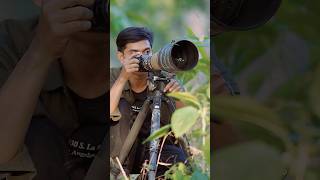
{"points": [[116, 91], [128, 66], [19, 95], [18, 98]]}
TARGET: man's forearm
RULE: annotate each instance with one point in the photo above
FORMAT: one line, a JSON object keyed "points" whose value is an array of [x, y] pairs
{"points": [[18, 99], [115, 93]]}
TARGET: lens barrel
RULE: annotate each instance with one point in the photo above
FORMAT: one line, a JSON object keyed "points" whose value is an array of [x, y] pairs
{"points": [[243, 14], [177, 56]]}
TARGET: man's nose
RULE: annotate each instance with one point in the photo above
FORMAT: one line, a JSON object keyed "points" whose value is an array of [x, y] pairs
{"points": [[139, 53]]}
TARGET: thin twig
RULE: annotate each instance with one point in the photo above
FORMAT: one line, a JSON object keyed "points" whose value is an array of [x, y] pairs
{"points": [[164, 139], [143, 170], [164, 164], [122, 170]]}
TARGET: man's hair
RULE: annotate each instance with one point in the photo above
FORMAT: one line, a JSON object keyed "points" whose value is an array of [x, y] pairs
{"points": [[132, 35]]}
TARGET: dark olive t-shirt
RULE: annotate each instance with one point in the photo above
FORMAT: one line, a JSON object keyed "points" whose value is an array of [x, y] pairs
{"points": [[136, 101], [85, 141]]}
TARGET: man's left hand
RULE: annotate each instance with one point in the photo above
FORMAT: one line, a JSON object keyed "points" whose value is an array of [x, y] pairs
{"points": [[173, 86]]}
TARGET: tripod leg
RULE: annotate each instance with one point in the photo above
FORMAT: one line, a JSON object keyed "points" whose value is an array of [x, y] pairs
{"points": [[134, 131], [155, 125]]}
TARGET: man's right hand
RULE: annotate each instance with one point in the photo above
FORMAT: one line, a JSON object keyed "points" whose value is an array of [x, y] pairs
{"points": [[59, 20], [129, 65]]}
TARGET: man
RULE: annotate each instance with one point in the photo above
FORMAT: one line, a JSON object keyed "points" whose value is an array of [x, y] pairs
{"points": [[129, 89], [53, 79]]}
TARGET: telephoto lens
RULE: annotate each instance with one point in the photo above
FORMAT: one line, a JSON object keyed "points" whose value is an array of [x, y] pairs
{"points": [[242, 14], [179, 55], [100, 22]]}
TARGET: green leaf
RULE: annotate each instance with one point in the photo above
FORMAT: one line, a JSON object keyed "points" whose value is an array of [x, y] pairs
{"points": [[208, 92], [238, 162], [196, 175], [206, 150], [159, 133], [178, 171], [236, 108], [314, 93], [183, 119], [185, 97]]}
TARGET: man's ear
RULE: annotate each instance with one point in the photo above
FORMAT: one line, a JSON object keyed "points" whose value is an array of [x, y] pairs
{"points": [[120, 56], [37, 2]]}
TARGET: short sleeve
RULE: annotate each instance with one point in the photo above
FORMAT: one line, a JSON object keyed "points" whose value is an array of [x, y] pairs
{"points": [[115, 116], [114, 73]]}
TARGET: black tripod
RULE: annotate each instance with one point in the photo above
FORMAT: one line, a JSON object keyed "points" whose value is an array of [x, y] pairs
{"points": [[156, 84]]}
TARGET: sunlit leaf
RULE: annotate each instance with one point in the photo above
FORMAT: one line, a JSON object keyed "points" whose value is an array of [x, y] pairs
{"points": [[247, 110], [183, 119], [206, 150], [185, 97], [159, 133], [249, 161], [208, 92]]}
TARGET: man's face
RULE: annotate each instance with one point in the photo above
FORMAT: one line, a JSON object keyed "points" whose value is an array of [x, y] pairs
{"points": [[135, 49], [142, 47]]}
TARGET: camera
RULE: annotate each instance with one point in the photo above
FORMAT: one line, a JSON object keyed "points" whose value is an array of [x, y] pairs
{"points": [[179, 55], [100, 22]]}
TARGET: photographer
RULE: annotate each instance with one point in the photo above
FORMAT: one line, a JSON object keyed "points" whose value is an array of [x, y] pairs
{"points": [[129, 89], [53, 79]]}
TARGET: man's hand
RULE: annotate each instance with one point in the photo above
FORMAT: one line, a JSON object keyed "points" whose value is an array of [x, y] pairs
{"points": [[129, 65], [173, 86], [58, 21]]}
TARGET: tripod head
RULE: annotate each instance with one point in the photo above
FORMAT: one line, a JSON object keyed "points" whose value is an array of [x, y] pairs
{"points": [[158, 79]]}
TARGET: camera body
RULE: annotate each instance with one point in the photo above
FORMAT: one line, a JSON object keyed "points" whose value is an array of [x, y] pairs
{"points": [[144, 63], [100, 22]]}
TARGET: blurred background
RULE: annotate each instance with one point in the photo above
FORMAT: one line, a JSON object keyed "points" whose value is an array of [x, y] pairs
{"points": [[167, 19], [276, 121], [17, 9]]}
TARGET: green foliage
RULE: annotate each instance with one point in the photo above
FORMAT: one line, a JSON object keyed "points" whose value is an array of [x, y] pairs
{"points": [[290, 113], [178, 172], [233, 108], [159, 133], [167, 19], [183, 120], [185, 97], [262, 162]]}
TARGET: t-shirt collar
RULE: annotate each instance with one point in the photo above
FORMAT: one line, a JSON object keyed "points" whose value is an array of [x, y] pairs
{"points": [[55, 77]]}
